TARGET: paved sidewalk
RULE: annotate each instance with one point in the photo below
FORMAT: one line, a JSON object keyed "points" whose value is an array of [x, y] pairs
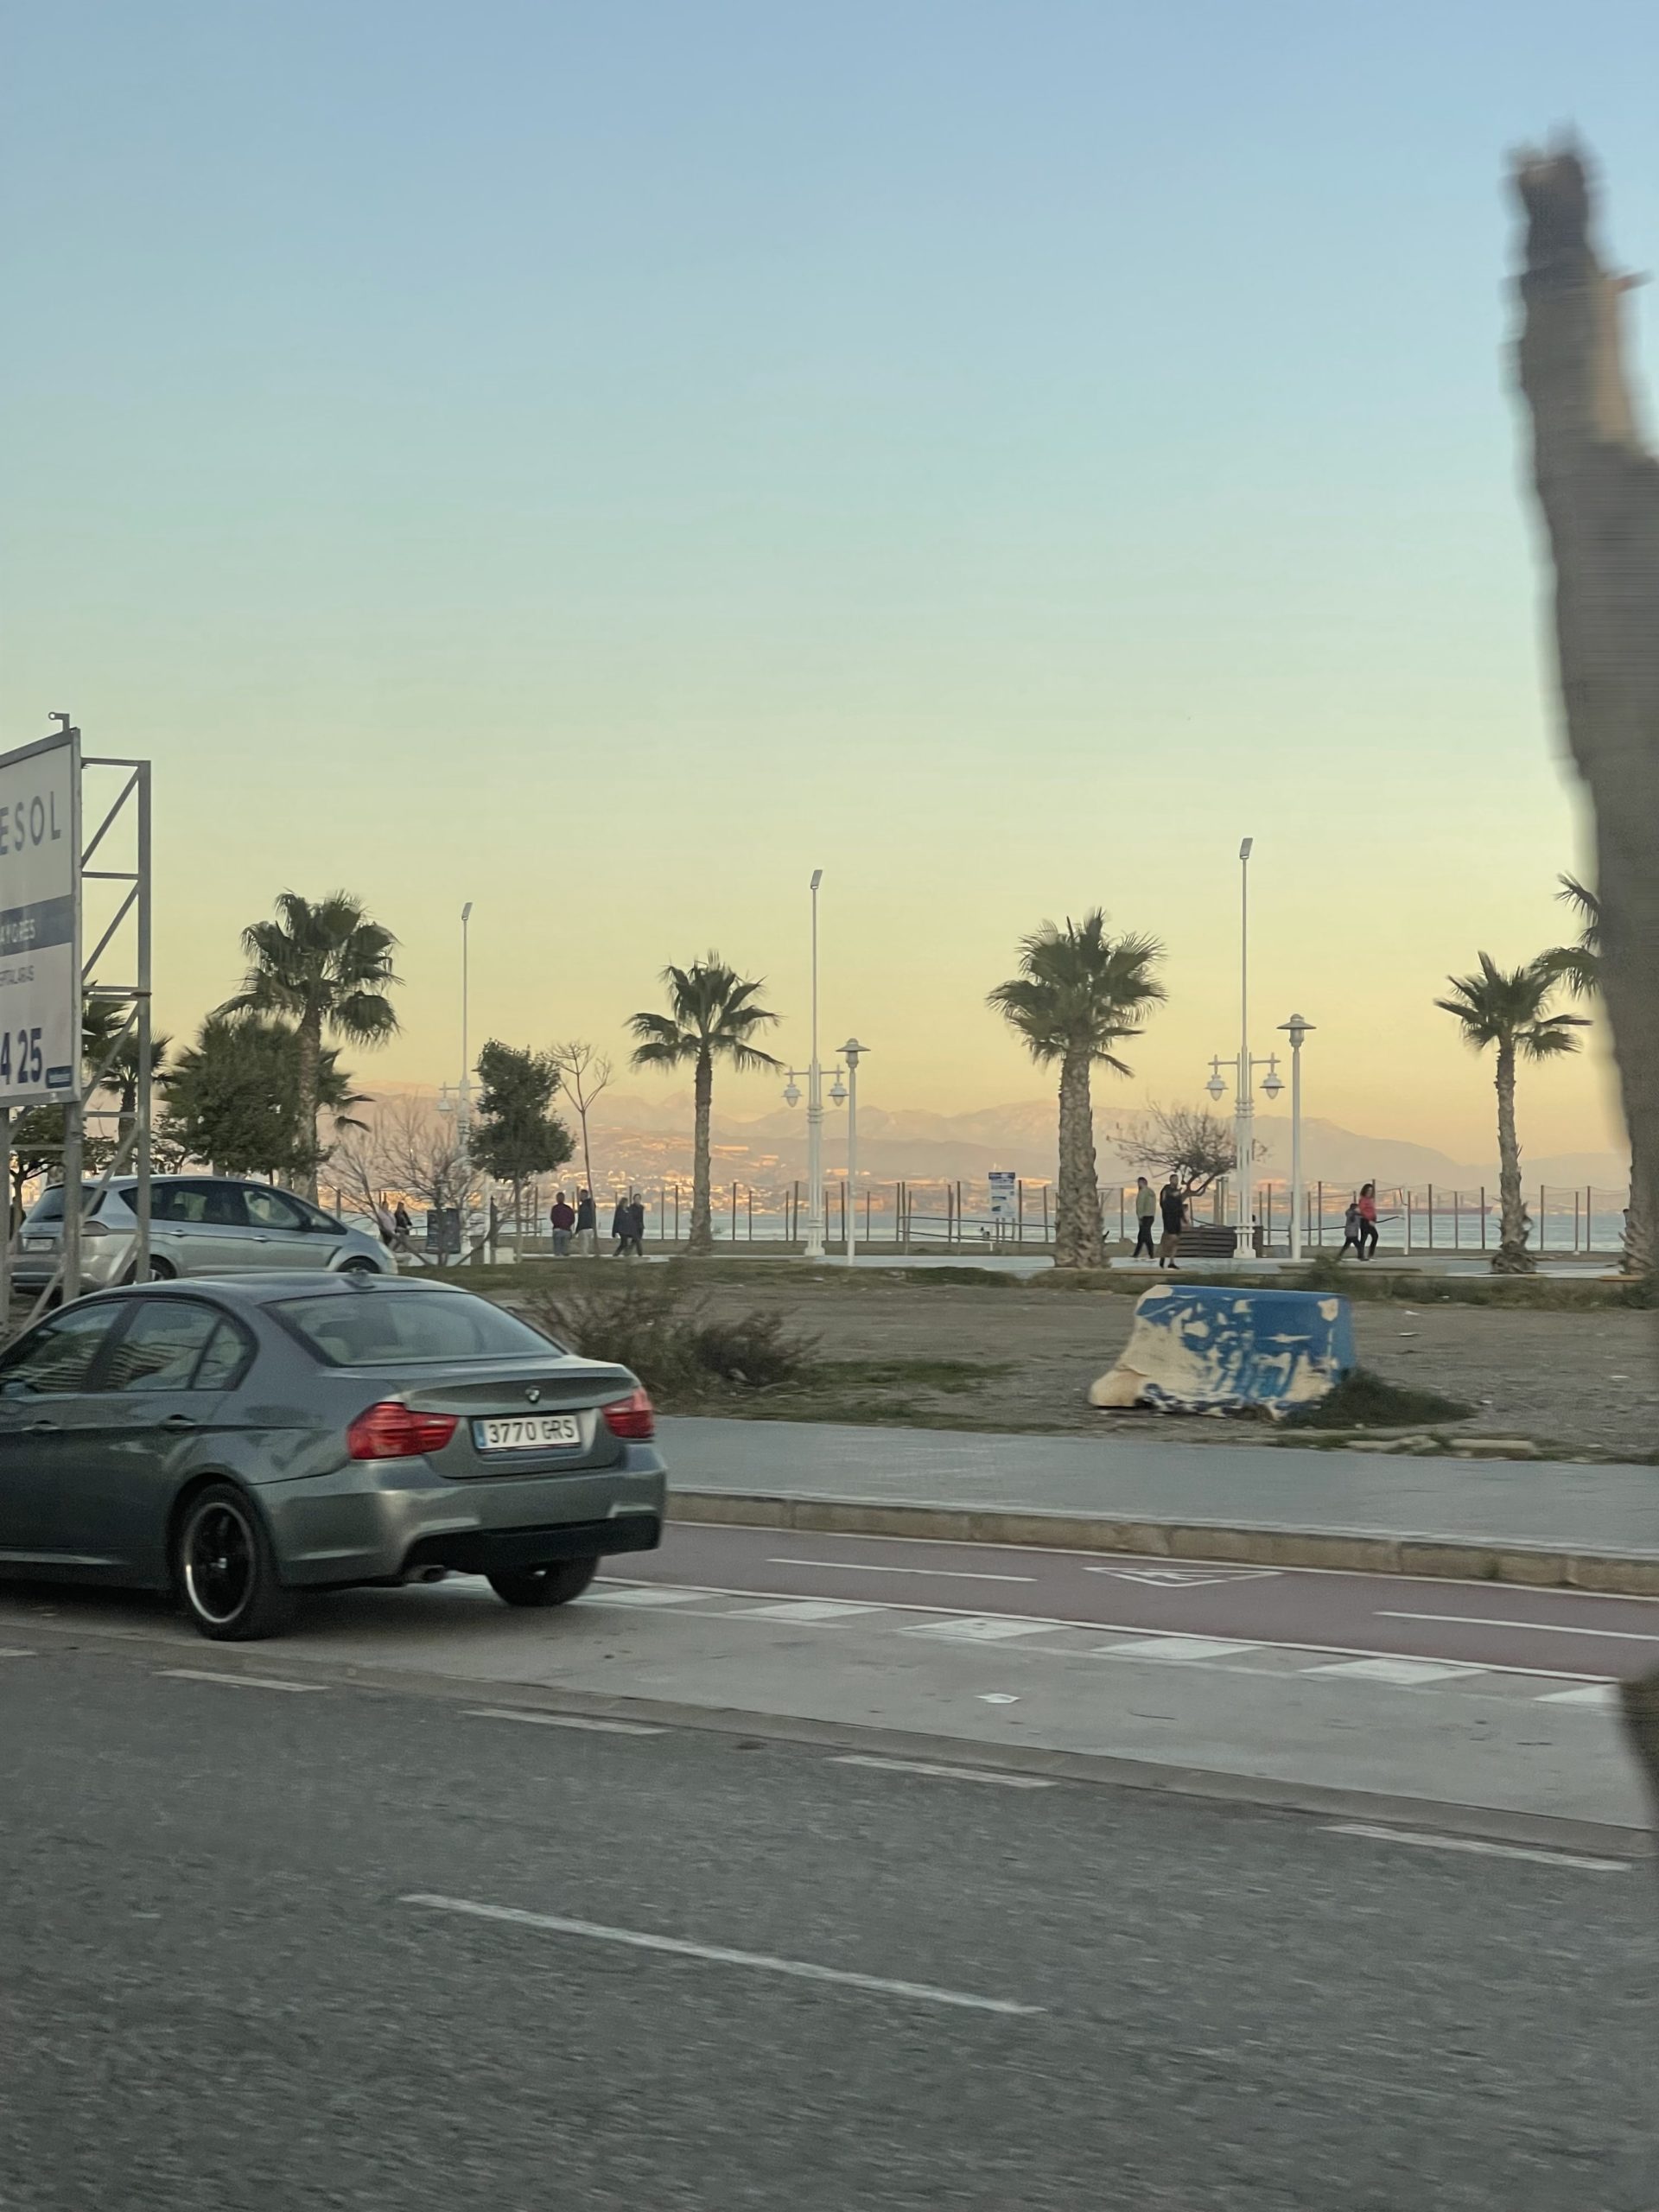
{"points": [[1546, 1513]]}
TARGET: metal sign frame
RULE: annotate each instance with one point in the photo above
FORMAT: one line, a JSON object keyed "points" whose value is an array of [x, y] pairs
{"points": [[130, 806]]}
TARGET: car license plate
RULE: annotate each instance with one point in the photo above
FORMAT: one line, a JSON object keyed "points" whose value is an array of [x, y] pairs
{"points": [[526, 1432], [37, 1244]]}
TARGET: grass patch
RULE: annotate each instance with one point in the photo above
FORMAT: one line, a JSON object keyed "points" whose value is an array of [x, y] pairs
{"points": [[952, 1375], [1364, 1400]]}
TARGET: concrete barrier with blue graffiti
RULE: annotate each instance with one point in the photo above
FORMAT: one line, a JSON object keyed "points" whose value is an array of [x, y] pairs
{"points": [[1204, 1349]]}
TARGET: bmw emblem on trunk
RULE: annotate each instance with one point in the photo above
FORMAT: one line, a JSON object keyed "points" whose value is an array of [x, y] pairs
{"points": [[534, 1395]]}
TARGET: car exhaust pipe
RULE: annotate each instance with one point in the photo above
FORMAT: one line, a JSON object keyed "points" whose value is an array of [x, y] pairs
{"points": [[427, 1574]]}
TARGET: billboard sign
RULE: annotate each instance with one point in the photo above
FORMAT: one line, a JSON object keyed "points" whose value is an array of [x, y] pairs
{"points": [[40, 923], [1004, 1193]]}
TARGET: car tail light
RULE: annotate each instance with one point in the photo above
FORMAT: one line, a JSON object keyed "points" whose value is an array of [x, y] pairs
{"points": [[630, 1416], [390, 1431]]}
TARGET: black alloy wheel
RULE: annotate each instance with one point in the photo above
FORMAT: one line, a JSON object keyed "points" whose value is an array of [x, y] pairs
{"points": [[226, 1572]]}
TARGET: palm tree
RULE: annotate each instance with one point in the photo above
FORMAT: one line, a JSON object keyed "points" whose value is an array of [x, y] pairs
{"points": [[712, 1016], [1511, 1012], [1580, 967], [121, 1077], [324, 968], [1079, 992]]}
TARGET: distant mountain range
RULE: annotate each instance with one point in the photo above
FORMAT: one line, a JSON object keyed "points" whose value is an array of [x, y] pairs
{"points": [[643, 1138]]}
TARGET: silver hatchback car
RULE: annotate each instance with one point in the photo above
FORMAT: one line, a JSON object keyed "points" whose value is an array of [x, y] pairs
{"points": [[199, 1225]]}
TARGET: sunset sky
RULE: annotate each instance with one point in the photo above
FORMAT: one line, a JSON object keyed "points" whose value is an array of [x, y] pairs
{"points": [[604, 462]]}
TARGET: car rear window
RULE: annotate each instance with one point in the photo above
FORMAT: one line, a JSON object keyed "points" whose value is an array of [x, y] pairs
{"points": [[407, 1328], [49, 1205]]}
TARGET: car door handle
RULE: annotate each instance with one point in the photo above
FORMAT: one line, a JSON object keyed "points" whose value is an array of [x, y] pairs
{"points": [[178, 1421]]}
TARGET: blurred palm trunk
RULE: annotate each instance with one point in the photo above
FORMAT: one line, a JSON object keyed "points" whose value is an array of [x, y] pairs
{"points": [[1598, 488]]}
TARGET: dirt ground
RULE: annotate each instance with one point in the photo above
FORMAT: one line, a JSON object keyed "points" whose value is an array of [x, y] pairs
{"points": [[1579, 1382]]}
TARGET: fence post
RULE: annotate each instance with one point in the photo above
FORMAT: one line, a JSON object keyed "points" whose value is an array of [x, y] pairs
{"points": [[1482, 1216], [1046, 1235], [1542, 1195], [1457, 1220], [1320, 1239], [1019, 1211]]}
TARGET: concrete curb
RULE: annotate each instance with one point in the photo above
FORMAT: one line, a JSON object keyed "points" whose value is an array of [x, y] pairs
{"points": [[1350, 1551]]}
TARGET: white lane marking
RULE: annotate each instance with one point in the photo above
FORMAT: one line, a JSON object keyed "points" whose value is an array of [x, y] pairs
{"points": [[1185, 1578], [987, 1628], [1403, 1672], [562, 1720], [1544, 1628], [688, 1590], [943, 1574], [947, 1773], [641, 1593], [15, 1651], [1482, 1850], [1596, 1694], [1177, 1647], [805, 1608], [719, 1954], [239, 1682]]}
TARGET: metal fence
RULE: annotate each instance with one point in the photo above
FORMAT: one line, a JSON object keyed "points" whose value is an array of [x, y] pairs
{"points": [[959, 1213], [1428, 1217]]}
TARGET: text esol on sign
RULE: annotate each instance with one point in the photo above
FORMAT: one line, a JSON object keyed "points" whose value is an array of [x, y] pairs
{"points": [[40, 934]]}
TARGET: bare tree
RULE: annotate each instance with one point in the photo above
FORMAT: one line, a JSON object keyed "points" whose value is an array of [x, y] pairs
{"points": [[357, 1170], [583, 1073], [1187, 1143], [418, 1152]]}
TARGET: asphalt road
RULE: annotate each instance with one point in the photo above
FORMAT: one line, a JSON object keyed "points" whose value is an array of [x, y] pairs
{"points": [[1558, 1632], [323, 1947]]}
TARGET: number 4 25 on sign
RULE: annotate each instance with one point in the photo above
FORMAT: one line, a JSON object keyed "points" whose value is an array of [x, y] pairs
{"points": [[27, 1045]]}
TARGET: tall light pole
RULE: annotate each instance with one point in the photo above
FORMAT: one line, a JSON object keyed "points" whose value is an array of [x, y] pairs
{"points": [[1297, 1029], [1243, 1100], [851, 1052], [814, 1106], [464, 1118]]}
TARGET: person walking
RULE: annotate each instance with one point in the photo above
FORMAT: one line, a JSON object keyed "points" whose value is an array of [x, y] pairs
{"points": [[587, 1226], [382, 1222], [403, 1227], [621, 1226], [1171, 1204], [1145, 1212], [636, 1242], [1352, 1224], [1368, 1221], [564, 1220]]}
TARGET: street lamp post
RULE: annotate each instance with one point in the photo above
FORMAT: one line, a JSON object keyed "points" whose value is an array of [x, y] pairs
{"points": [[814, 1106], [851, 1052], [1243, 1102], [1297, 1029], [464, 1109]]}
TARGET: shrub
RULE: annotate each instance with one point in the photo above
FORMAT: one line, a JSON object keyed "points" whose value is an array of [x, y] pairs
{"points": [[1362, 1400], [649, 1321]]}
